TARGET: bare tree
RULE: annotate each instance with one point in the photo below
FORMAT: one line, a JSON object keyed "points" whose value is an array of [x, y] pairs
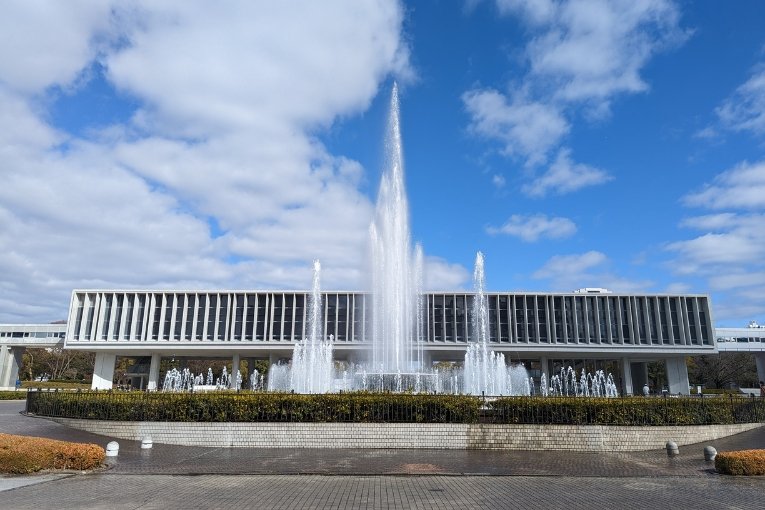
{"points": [[723, 370]]}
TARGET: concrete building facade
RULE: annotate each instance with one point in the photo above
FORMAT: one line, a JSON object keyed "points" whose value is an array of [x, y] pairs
{"points": [[546, 331]]}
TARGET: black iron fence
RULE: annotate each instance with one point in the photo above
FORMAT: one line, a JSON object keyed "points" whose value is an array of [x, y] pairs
{"points": [[395, 408]]}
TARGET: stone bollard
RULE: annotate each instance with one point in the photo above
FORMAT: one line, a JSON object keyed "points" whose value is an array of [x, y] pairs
{"points": [[709, 453], [672, 448], [112, 449], [146, 443]]}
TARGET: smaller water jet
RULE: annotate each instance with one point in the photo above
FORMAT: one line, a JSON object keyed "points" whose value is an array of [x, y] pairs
{"points": [[312, 366], [485, 371]]}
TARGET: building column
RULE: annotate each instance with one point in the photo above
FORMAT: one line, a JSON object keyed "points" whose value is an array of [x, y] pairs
{"points": [[10, 361], [627, 376], [759, 360], [273, 358], [234, 370], [4, 355], [153, 384], [103, 371], [544, 365], [639, 376], [677, 376]]}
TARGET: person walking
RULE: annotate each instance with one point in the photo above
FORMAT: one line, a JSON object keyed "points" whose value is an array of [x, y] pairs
{"points": [[762, 388]]}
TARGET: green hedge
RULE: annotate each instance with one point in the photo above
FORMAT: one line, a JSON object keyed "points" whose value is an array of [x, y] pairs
{"points": [[256, 407], [628, 411], [13, 395], [394, 408]]}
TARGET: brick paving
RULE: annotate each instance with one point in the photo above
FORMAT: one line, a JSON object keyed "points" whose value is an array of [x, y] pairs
{"points": [[168, 477], [111, 491]]}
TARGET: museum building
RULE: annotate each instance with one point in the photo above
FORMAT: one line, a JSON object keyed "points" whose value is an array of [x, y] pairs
{"points": [[620, 333]]}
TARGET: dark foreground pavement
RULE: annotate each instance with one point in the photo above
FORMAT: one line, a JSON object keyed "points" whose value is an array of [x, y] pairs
{"points": [[190, 477]]}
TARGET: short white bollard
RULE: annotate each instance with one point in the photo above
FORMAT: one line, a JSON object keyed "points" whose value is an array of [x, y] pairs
{"points": [[146, 443], [112, 449], [710, 453], [672, 448]]}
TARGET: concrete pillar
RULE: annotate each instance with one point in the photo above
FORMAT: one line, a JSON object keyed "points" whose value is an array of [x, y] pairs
{"points": [[627, 376], [544, 365], [4, 355], [153, 383], [234, 370], [677, 376], [103, 371], [640, 376], [10, 362], [759, 360]]}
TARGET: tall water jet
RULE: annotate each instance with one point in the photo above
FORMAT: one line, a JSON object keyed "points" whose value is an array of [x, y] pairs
{"points": [[394, 328]]}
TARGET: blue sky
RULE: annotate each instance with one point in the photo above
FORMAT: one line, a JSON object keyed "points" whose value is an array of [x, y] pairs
{"points": [[575, 143]]}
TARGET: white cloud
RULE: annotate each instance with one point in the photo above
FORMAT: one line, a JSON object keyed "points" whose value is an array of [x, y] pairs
{"points": [[527, 129], [737, 280], [573, 264], [590, 269], [729, 253], [581, 55], [218, 179], [49, 43], [742, 187], [534, 11], [710, 222], [731, 242], [677, 288], [565, 176], [531, 228], [498, 181], [744, 110], [443, 275], [595, 49]]}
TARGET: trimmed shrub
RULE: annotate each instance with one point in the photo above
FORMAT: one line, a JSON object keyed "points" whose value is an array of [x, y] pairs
{"points": [[743, 462], [13, 395], [363, 407], [257, 407], [21, 454], [626, 411]]}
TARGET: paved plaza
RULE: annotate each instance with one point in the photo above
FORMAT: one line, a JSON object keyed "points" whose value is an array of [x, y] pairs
{"points": [[191, 477]]}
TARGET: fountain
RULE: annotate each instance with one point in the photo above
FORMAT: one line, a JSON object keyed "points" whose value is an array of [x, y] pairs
{"points": [[312, 367], [396, 360], [485, 372], [185, 380]]}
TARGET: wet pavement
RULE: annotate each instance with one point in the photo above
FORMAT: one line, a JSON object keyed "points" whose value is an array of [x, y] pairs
{"points": [[298, 478]]}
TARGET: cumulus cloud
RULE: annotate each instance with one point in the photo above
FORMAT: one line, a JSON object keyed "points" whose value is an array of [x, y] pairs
{"points": [[729, 249], [589, 269], [564, 176], [527, 129], [582, 54], [744, 110], [217, 179], [742, 187], [561, 264], [531, 228], [443, 275]]}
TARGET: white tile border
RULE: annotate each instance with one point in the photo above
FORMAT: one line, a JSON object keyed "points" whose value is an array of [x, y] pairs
{"points": [[592, 438]]}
